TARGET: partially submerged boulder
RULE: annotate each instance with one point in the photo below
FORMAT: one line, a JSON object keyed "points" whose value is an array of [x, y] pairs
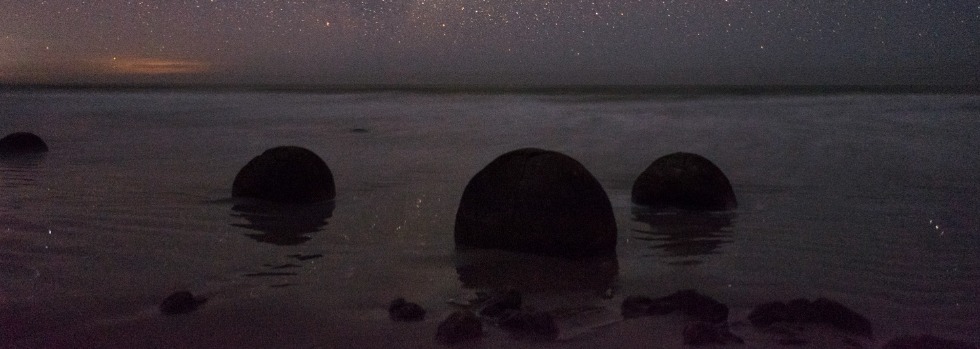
{"points": [[286, 174], [536, 201], [181, 302], [22, 143], [684, 181]]}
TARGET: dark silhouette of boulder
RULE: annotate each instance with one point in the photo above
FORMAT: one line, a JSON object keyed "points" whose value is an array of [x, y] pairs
{"points": [[180, 303], [536, 201], [286, 174], [689, 302], [821, 310], [401, 310], [460, 326], [926, 342], [22, 143], [684, 181]]}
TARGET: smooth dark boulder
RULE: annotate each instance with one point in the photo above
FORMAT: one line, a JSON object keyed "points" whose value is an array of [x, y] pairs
{"points": [[926, 342], [22, 143], [460, 326], [401, 310], [684, 181], [180, 303], [286, 174], [536, 201], [821, 310]]}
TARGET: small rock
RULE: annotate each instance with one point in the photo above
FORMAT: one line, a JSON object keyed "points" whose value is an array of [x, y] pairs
{"points": [[838, 315], [495, 307], [926, 342], [400, 310], [460, 326], [693, 304], [180, 303], [689, 302]]}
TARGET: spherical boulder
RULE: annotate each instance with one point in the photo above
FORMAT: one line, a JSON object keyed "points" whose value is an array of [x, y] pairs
{"points": [[684, 181], [286, 174], [21, 143], [536, 201]]}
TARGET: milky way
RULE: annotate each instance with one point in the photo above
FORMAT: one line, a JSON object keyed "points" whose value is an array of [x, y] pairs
{"points": [[483, 41]]}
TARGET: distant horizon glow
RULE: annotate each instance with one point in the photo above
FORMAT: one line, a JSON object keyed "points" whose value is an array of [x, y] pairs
{"points": [[742, 42]]}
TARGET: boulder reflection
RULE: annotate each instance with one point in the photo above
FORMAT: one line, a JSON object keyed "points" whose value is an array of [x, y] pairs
{"points": [[282, 224], [496, 269], [684, 235], [19, 170]]}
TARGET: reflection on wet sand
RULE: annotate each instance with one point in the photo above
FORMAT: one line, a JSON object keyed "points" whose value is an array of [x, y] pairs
{"points": [[282, 224], [683, 236], [496, 269]]}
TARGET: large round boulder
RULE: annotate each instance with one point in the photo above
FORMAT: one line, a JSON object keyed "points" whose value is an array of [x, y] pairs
{"points": [[286, 174], [22, 143], [536, 201], [684, 181]]}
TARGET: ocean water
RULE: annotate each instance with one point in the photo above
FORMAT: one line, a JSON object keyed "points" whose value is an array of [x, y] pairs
{"points": [[868, 199]]}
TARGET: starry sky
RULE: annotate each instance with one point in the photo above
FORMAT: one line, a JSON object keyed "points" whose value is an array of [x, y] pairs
{"points": [[523, 42]]}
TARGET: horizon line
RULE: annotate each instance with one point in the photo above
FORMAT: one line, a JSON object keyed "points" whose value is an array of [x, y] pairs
{"points": [[745, 89]]}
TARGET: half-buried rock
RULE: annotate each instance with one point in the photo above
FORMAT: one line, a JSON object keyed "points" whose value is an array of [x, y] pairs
{"points": [[536, 201], [22, 143], [286, 174], [684, 181]]}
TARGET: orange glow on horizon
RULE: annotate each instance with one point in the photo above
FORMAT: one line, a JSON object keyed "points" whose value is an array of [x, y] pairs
{"points": [[154, 66]]}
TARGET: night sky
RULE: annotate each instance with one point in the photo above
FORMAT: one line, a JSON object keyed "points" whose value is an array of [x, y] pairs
{"points": [[490, 42]]}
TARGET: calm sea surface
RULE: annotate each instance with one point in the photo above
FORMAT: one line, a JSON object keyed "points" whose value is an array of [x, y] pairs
{"points": [[871, 200]]}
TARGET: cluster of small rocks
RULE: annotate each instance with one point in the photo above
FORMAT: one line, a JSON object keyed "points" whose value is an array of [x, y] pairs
{"points": [[502, 309], [709, 317]]}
